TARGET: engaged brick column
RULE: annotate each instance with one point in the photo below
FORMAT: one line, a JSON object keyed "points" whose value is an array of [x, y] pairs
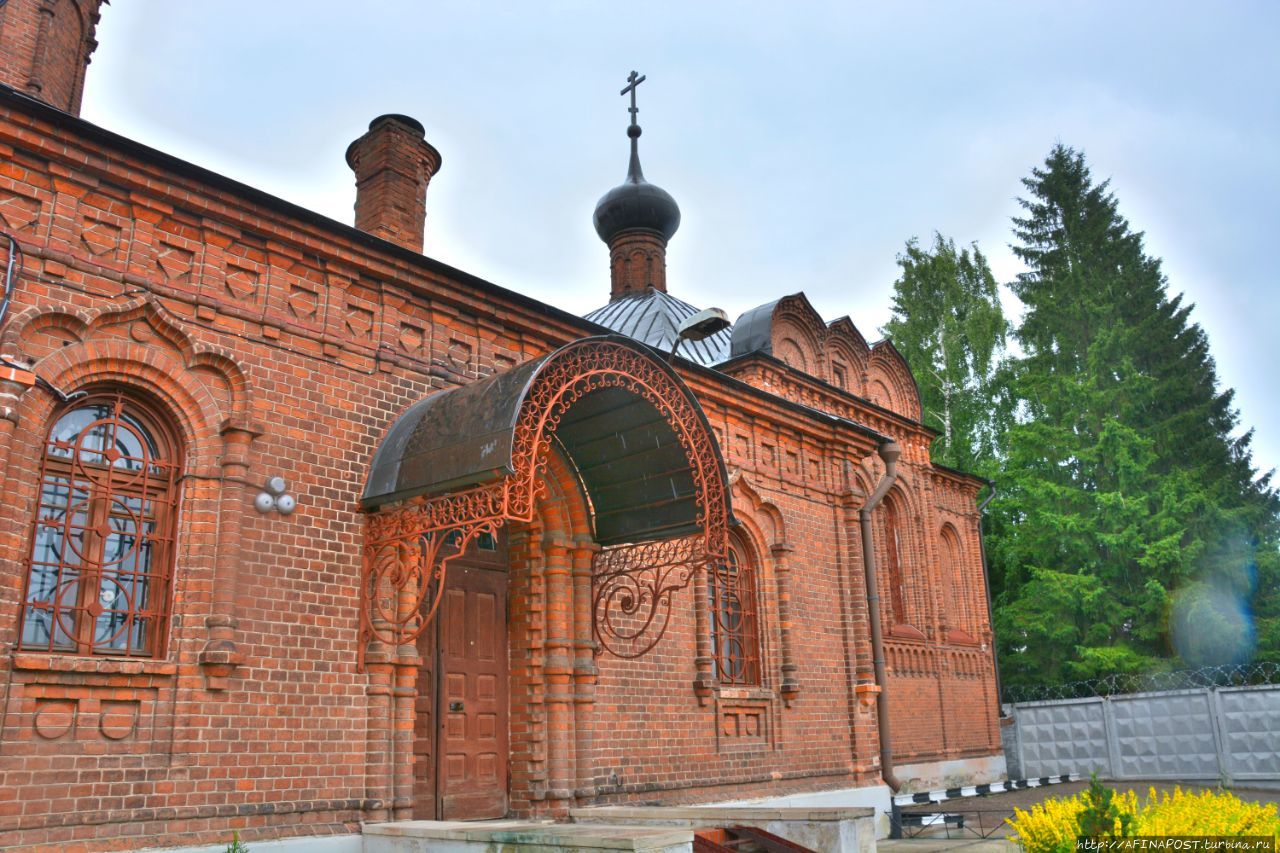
{"points": [[584, 667], [559, 672], [790, 681], [704, 679], [220, 655], [528, 713], [393, 163], [404, 693], [378, 737], [14, 382]]}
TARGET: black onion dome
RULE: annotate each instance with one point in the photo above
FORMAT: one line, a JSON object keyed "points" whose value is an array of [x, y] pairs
{"points": [[636, 203]]}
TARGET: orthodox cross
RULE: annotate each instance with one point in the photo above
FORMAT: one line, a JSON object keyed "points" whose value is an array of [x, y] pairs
{"points": [[632, 82]]}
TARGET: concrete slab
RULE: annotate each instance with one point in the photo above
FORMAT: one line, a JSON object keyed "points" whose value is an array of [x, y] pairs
{"points": [[735, 813], [419, 836], [825, 830]]}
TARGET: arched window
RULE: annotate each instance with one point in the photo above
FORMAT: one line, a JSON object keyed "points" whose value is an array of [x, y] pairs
{"points": [[959, 617], [103, 535], [734, 635], [893, 563]]}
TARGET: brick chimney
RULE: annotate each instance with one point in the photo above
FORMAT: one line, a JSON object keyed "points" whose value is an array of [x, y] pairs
{"points": [[393, 163], [45, 47]]}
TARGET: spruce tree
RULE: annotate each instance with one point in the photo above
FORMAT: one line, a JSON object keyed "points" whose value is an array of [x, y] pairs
{"points": [[1127, 505]]}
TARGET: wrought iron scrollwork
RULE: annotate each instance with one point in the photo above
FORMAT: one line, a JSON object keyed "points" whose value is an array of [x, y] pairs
{"points": [[633, 587], [633, 584]]}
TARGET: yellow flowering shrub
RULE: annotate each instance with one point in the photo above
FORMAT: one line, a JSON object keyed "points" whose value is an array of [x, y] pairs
{"points": [[1053, 825], [1206, 813]]}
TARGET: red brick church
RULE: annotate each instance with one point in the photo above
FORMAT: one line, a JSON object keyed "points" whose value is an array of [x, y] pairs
{"points": [[303, 529]]}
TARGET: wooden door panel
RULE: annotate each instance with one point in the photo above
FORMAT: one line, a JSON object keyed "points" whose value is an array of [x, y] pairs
{"points": [[472, 706], [424, 731]]}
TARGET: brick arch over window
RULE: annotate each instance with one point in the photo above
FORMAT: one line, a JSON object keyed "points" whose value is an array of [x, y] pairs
{"points": [[901, 576], [765, 527], [474, 458], [137, 341], [99, 573], [139, 347], [962, 627]]}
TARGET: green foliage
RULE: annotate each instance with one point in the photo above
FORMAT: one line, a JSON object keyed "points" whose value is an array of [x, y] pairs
{"points": [[1130, 528], [948, 324], [236, 845], [1101, 816], [1130, 532]]}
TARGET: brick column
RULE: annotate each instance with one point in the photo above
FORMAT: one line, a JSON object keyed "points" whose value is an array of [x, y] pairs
{"points": [[528, 687], [559, 671], [378, 773], [790, 681], [584, 667], [220, 656], [404, 693], [704, 662], [14, 382]]}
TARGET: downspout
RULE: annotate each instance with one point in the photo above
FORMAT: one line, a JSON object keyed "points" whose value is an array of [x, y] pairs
{"points": [[889, 452], [986, 582]]}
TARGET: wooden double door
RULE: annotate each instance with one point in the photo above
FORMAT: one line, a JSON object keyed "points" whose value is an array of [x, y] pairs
{"points": [[460, 744]]}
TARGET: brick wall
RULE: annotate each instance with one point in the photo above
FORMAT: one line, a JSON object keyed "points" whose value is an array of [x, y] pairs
{"points": [[45, 47], [281, 343]]}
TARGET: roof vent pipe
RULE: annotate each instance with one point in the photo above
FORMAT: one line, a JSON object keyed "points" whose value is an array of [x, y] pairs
{"points": [[889, 452]]}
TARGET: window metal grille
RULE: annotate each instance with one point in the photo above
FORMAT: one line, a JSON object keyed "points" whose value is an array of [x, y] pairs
{"points": [[734, 636], [103, 536]]}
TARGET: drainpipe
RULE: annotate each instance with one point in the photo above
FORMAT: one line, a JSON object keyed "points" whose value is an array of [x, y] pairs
{"points": [[889, 452], [986, 582]]}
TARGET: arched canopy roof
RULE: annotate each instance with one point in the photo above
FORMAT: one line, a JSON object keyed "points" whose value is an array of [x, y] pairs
{"points": [[632, 432]]}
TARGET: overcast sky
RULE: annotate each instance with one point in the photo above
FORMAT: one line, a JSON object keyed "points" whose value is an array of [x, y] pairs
{"points": [[805, 142]]}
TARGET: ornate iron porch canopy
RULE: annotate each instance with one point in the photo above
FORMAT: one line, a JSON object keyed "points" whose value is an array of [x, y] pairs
{"points": [[465, 461]]}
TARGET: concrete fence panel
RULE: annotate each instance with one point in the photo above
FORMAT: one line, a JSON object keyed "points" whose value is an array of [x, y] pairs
{"points": [[1164, 736], [1250, 725], [1061, 737], [1231, 734]]}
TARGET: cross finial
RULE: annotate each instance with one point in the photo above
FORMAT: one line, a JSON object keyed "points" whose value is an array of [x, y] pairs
{"points": [[632, 82]]}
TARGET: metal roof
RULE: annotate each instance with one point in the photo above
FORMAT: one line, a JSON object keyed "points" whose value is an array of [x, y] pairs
{"points": [[653, 317], [631, 463], [754, 331]]}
